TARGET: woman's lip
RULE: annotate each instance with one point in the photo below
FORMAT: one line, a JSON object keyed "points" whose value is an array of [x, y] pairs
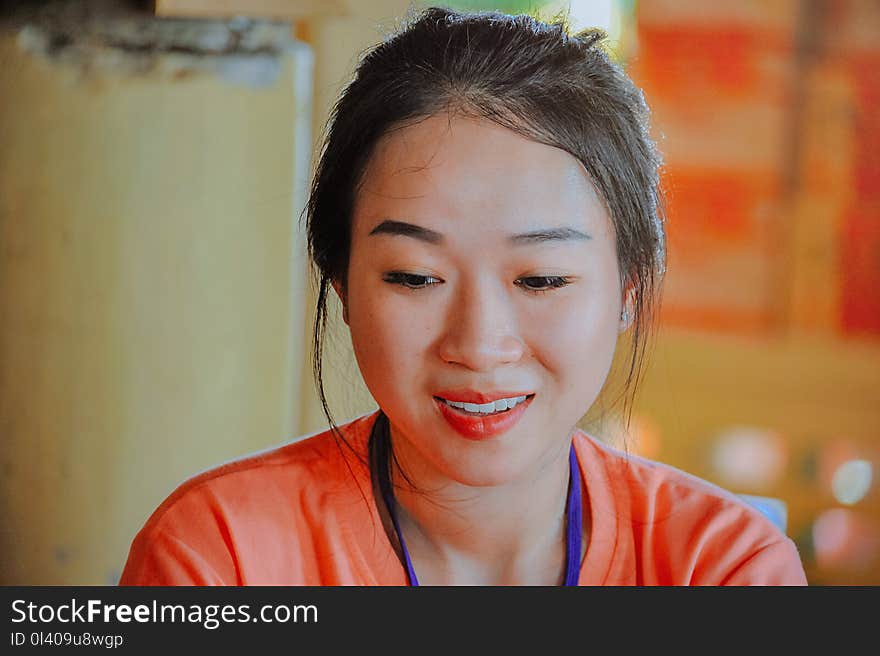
{"points": [[481, 428]]}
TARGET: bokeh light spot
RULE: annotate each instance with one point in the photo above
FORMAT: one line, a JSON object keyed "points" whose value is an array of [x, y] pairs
{"points": [[749, 458], [851, 481], [845, 540]]}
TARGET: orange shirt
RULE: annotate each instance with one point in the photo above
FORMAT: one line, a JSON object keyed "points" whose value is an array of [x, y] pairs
{"points": [[303, 514]]}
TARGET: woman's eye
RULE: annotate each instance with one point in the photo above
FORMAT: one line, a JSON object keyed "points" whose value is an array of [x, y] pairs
{"points": [[411, 280], [542, 283]]}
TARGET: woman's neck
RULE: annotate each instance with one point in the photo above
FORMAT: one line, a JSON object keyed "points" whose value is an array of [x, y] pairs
{"points": [[504, 534]]}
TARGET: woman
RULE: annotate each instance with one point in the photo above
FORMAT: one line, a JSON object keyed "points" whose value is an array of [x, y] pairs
{"points": [[486, 207]]}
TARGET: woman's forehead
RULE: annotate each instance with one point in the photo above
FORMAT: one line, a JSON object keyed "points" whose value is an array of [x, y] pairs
{"points": [[467, 167]]}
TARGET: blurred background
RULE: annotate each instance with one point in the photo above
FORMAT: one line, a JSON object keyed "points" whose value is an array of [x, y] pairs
{"points": [[156, 304]]}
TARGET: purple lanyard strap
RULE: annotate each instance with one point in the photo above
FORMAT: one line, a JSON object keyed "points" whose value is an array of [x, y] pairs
{"points": [[380, 442]]}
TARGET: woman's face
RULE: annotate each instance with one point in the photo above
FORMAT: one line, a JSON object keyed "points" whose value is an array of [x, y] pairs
{"points": [[483, 266]]}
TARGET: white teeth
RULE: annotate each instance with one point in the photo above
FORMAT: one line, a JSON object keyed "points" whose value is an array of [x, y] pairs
{"points": [[488, 408]]}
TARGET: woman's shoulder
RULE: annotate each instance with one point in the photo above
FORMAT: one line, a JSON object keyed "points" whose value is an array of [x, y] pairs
{"points": [[222, 521], [681, 518], [648, 485], [310, 463]]}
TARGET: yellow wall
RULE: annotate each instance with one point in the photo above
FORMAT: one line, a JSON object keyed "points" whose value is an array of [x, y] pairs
{"points": [[147, 274], [811, 391]]}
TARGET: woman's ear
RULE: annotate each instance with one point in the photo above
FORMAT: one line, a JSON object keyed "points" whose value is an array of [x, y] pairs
{"points": [[343, 298]]}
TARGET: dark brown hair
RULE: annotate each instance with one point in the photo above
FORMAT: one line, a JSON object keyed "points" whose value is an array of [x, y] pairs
{"points": [[529, 76]]}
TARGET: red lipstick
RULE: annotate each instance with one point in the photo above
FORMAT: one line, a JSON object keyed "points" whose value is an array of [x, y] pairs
{"points": [[475, 427]]}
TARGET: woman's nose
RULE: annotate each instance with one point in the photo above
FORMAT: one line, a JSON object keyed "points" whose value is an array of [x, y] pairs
{"points": [[481, 330]]}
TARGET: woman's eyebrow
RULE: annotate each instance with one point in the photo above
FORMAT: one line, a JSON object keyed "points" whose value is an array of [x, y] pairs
{"points": [[564, 233], [407, 230]]}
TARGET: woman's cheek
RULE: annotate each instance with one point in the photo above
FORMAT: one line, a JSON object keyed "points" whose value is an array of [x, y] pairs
{"points": [[577, 345], [388, 339]]}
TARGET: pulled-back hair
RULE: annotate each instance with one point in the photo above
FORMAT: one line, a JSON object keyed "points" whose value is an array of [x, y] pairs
{"points": [[532, 77]]}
